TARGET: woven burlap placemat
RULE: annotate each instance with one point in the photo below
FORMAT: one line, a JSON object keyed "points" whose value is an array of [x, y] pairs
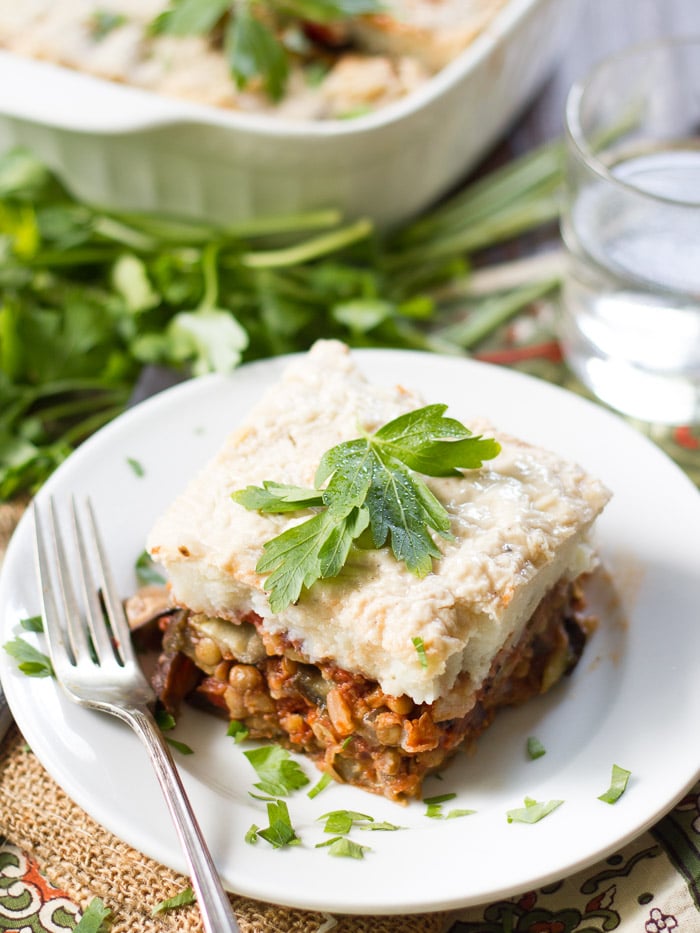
{"points": [[85, 860]]}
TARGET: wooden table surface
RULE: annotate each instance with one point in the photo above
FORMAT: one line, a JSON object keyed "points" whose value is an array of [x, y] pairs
{"points": [[600, 28]]}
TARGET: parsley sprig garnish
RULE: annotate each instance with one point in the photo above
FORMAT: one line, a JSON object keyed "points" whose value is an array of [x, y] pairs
{"points": [[253, 31], [371, 483]]}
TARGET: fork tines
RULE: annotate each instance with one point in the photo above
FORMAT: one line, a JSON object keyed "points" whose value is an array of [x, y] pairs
{"points": [[90, 626]]}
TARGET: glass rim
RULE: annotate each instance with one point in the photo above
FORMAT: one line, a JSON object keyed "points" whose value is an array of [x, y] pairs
{"points": [[575, 136]]}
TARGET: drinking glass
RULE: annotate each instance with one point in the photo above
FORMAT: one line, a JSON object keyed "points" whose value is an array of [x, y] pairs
{"points": [[630, 320]]}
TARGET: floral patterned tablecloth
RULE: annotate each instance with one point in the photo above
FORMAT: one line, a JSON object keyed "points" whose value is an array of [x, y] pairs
{"points": [[650, 886], [28, 902]]}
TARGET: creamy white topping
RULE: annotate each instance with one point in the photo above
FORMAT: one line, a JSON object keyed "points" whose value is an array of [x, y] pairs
{"points": [[520, 523]]}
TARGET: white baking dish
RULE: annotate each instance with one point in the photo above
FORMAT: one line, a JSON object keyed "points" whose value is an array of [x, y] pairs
{"points": [[128, 149]]}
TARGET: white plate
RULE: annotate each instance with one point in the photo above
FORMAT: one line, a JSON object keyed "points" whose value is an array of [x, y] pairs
{"points": [[634, 699]]}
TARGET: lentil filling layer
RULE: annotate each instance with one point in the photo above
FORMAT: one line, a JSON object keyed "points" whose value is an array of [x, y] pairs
{"points": [[344, 722]]}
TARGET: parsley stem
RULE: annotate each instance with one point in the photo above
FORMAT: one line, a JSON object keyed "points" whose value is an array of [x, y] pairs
{"points": [[523, 176], [89, 425], [210, 298], [490, 203], [503, 276], [289, 287], [33, 395], [191, 233], [309, 249], [415, 338], [285, 279], [167, 230], [285, 223], [59, 386], [117, 231], [71, 407], [492, 313], [85, 256], [496, 228]]}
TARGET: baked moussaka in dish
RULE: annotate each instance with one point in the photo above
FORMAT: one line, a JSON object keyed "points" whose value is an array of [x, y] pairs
{"points": [[330, 62], [378, 673]]}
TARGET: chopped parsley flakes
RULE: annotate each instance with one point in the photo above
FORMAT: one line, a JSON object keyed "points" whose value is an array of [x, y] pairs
{"points": [[533, 811], [280, 832], [342, 847], [278, 772], [183, 899], [535, 749], [30, 660], [618, 785], [420, 651]]}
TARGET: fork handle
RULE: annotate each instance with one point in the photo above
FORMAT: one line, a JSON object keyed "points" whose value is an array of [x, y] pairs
{"points": [[214, 905]]}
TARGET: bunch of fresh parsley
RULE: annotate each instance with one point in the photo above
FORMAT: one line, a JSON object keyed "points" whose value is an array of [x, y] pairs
{"points": [[258, 36], [88, 298], [371, 484]]}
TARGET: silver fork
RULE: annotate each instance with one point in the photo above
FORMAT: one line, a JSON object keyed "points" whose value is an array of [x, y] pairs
{"points": [[97, 668]]}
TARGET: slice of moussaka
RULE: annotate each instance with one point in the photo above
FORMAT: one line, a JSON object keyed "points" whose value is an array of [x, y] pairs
{"points": [[378, 673]]}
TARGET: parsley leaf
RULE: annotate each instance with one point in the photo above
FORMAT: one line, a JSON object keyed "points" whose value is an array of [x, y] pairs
{"points": [[147, 572], [370, 482], [434, 807], [343, 847], [535, 749], [254, 51], [341, 822], [183, 899], [325, 11], [533, 811], [136, 466], [211, 339], [278, 497], [458, 812], [237, 730], [95, 918], [382, 826], [278, 772], [166, 722], [430, 443], [190, 17], [419, 645], [181, 747], [320, 785], [86, 297], [102, 22], [255, 43], [280, 832], [29, 659], [32, 624], [618, 785]]}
